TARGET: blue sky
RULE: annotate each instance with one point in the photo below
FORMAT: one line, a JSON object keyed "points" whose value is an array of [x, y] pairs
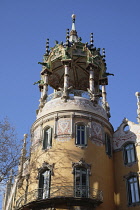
{"points": [[25, 26]]}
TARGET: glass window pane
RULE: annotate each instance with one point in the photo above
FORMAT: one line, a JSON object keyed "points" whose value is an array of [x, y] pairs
{"points": [[128, 156], [44, 184], [83, 137], [133, 190], [81, 183], [132, 193], [132, 155], [84, 181], [136, 192], [80, 137], [129, 153]]}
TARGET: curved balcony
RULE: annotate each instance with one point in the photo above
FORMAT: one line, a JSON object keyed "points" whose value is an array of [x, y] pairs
{"points": [[59, 196], [72, 93]]}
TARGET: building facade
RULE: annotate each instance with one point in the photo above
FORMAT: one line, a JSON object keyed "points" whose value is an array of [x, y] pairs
{"points": [[76, 159]]}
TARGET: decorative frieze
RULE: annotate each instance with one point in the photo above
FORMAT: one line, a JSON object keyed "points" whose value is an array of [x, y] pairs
{"points": [[64, 129], [121, 136], [96, 133], [77, 103]]}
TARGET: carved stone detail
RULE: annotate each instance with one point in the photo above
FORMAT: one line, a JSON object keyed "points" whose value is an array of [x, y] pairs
{"points": [[82, 164], [45, 166]]}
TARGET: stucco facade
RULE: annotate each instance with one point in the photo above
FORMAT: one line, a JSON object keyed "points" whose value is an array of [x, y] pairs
{"points": [[76, 159]]}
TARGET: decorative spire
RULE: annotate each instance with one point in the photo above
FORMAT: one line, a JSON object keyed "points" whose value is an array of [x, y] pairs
{"points": [[73, 33], [73, 22], [23, 154], [103, 54], [91, 40], [67, 37], [47, 47]]}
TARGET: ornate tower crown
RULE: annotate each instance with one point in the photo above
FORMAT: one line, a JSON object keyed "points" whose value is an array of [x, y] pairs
{"points": [[74, 66]]}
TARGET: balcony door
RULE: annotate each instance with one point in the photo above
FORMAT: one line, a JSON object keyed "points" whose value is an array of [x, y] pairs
{"points": [[81, 182], [44, 184]]}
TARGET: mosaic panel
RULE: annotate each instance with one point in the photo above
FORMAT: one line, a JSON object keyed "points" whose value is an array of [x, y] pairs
{"points": [[96, 133], [63, 129]]}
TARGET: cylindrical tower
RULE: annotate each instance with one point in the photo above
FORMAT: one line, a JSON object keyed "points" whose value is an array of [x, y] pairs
{"points": [[70, 164]]}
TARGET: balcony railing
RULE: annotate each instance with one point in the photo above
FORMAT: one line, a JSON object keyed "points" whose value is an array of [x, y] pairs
{"points": [[72, 93], [60, 192]]}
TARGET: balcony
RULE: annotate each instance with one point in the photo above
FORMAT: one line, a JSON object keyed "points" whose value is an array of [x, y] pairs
{"points": [[72, 93], [59, 196]]}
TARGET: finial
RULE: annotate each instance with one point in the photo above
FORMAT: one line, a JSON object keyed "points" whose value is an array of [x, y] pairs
{"points": [[91, 40], [25, 137], [73, 22], [73, 33], [73, 18], [67, 37], [47, 47], [103, 54]]}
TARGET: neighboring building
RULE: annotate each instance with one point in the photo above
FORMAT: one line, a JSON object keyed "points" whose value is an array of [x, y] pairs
{"points": [[76, 160]]}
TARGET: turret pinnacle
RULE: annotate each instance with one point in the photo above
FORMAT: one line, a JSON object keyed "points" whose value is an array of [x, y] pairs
{"points": [[73, 32]]}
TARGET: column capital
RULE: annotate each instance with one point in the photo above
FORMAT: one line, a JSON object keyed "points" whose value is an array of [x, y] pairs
{"points": [[90, 66], [66, 62]]}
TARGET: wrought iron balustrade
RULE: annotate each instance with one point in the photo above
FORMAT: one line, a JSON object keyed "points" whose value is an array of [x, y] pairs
{"points": [[73, 92], [60, 192]]}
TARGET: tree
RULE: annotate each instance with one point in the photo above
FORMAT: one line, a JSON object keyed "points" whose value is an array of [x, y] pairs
{"points": [[9, 149]]}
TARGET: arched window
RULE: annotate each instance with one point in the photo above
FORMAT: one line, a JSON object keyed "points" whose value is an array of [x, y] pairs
{"points": [[129, 154], [47, 138], [133, 191], [81, 135], [44, 184], [108, 146]]}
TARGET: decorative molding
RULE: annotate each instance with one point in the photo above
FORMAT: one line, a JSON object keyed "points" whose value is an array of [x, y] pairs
{"points": [[131, 174], [45, 166], [81, 164], [76, 113]]}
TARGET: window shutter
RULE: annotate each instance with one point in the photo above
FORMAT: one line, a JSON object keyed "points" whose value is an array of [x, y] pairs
{"points": [[106, 147], [49, 137], [86, 137], [124, 156], [134, 148], [41, 183], [109, 146], [45, 139], [76, 134]]}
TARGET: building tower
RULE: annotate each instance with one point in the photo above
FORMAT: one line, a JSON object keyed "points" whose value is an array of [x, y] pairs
{"points": [[70, 164]]}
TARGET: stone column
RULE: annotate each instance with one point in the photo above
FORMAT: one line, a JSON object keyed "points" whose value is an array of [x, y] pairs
{"points": [[66, 64], [91, 80], [104, 94], [66, 77], [45, 87]]}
